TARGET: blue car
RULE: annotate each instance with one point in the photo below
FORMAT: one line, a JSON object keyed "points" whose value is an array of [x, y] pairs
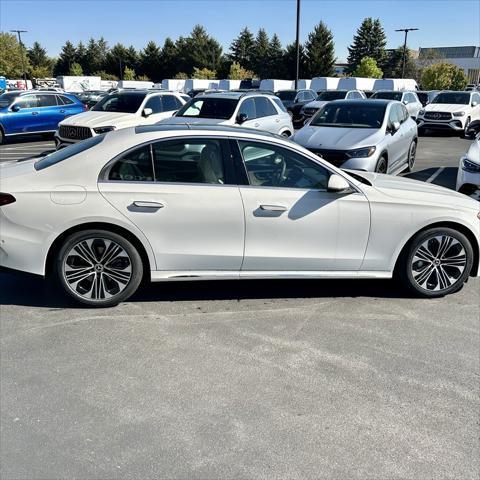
{"points": [[27, 112]]}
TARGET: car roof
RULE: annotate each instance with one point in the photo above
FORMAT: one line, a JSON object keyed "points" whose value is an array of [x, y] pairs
{"points": [[236, 95], [366, 101]]}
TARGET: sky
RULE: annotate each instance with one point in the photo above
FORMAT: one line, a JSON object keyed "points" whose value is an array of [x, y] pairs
{"points": [[135, 22]]}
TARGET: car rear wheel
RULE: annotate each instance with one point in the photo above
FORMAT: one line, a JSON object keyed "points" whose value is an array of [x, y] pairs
{"points": [[2, 137], [382, 165], [438, 262], [98, 268], [412, 152]]}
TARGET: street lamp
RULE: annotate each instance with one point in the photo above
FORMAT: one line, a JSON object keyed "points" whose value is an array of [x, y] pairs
{"points": [[297, 46], [406, 30], [19, 32]]}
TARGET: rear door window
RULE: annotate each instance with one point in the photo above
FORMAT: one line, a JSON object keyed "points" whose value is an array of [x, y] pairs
{"points": [[46, 100], [27, 101], [169, 103], [279, 104], [62, 100], [134, 166], [248, 108], [155, 104]]}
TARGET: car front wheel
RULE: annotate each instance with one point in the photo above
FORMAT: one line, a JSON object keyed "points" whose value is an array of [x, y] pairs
{"points": [[98, 268], [438, 262], [412, 152]]}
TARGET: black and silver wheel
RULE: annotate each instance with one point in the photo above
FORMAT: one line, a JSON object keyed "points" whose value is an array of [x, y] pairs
{"points": [[2, 137], [438, 262], [382, 165], [286, 134], [412, 152], [98, 268]]}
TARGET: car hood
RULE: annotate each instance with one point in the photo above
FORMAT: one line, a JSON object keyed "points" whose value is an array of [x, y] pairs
{"points": [[316, 104], [473, 153], [96, 119], [417, 191], [336, 138], [193, 121], [446, 107]]}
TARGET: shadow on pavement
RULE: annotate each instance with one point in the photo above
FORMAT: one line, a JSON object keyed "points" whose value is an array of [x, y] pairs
{"points": [[32, 291], [446, 178]]}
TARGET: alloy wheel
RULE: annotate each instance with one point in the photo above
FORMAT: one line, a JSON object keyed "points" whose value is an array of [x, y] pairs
{"points": [[438, 263], [382, 166], [97, 269], [412, 154]]}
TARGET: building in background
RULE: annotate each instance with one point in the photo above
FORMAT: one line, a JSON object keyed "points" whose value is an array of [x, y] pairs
{"points": [[467, 58]]}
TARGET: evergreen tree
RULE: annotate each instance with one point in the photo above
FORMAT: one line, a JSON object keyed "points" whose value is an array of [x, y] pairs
{"points": [[260, 54], [132, 59], [168, 58], [81, 56], [198, 50], [116, 59], [41, 64], [290, 61], [369, 41], [241, 49], [75, 69], [320, 53], [275, 57], [394, 64], [151, 62], [95, 55], [65, 60]]}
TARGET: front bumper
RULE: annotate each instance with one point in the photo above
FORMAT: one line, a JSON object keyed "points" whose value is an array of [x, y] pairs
{"points": [[453, 124], [468, 182]]}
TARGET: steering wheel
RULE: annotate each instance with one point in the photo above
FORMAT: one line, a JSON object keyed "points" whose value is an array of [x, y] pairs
{"points": [[278, 176]]}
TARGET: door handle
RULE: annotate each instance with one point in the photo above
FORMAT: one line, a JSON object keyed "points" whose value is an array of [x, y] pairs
{"points": [[273, 208], [34, 113], [256, 125], [277, 120], [152, 205], [62, 111]]}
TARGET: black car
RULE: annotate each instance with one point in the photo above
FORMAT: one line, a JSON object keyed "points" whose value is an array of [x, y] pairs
{"points": [[473, 129], [294, 100], [249, 84]]}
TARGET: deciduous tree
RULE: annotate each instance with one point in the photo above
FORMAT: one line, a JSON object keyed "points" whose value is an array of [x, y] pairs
{"points": [[368, 68], [443, 76]]}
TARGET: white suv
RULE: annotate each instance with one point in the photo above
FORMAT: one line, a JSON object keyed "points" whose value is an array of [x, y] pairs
{"points": [[409, 99], [121, 109], [451, 111], [257, 110]]}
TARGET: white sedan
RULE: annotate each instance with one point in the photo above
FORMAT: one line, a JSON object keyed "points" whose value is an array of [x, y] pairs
{"points": [[468, 177], [191, 202]]}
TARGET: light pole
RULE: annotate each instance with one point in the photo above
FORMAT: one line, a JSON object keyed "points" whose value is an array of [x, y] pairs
{"points": [[406, 30], [297, 46], [19, 32]]}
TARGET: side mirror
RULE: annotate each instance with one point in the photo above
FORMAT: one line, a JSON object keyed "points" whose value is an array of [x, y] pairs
{"points": [[147, 112], [474, 103], [15, 108], [405, 102], [337, 184], [395, 128], [241, 118]]}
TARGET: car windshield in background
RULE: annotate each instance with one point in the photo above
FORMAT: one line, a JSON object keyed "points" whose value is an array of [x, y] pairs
{"points": [[388, 95], [221, 108], [287, 95], [120, 102], [7, 99], [452, 98], [336, 95], [343, 115]]}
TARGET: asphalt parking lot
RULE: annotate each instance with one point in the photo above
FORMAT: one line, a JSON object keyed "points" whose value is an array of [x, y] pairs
{"points": [[253, 379]]}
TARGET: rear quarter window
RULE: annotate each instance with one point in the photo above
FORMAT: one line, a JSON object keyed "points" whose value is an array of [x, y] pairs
{"points": [[67, 152], [279, 104]]}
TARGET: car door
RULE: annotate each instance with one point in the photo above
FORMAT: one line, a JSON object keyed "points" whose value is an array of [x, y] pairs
{"points": [[292, 223], [267, 115], [247, 107], [23, 120], [395, 140], [153, 102], [182, 195], [475, 103], [49, 113], [170, 104], [68, 107], [404, 135], [416, 105]]}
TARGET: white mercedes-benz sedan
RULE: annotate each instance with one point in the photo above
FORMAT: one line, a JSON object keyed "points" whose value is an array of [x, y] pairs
{"points": [[177, 202]]}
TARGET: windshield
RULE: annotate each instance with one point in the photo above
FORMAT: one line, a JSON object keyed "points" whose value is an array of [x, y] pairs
{"points": [[335, 95], [202, 107], [452, 98], [120, 102], [351, 115], [67, 152], [288, 95], [388, 96], [6, 99]]}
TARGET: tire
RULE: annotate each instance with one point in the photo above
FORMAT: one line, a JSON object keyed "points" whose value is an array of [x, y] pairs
{"points": [[412, 151], [382, 165], [423, 267], [2, 137], [101, 284], [465, 130], [286, 134]]}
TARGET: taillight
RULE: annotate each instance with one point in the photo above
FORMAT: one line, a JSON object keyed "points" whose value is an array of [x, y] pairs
{"points": [[6, 199]]}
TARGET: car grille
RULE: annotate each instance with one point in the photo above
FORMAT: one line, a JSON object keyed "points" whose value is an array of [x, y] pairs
{"points": [[335, 157], [310, 111], [437, 116], [72, 132]]}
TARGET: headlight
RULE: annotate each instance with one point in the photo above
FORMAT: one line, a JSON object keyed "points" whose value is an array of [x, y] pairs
{"points": [[469, 166], [361, 152], [100, 130], [421, 112], [458, 114]]}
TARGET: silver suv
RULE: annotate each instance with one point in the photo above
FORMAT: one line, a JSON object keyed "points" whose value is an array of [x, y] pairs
{"points": [[259, 110], [370, 135]]}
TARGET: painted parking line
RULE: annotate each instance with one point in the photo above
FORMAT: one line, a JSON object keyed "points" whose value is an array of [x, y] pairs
{"points": [[435, 175]]}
